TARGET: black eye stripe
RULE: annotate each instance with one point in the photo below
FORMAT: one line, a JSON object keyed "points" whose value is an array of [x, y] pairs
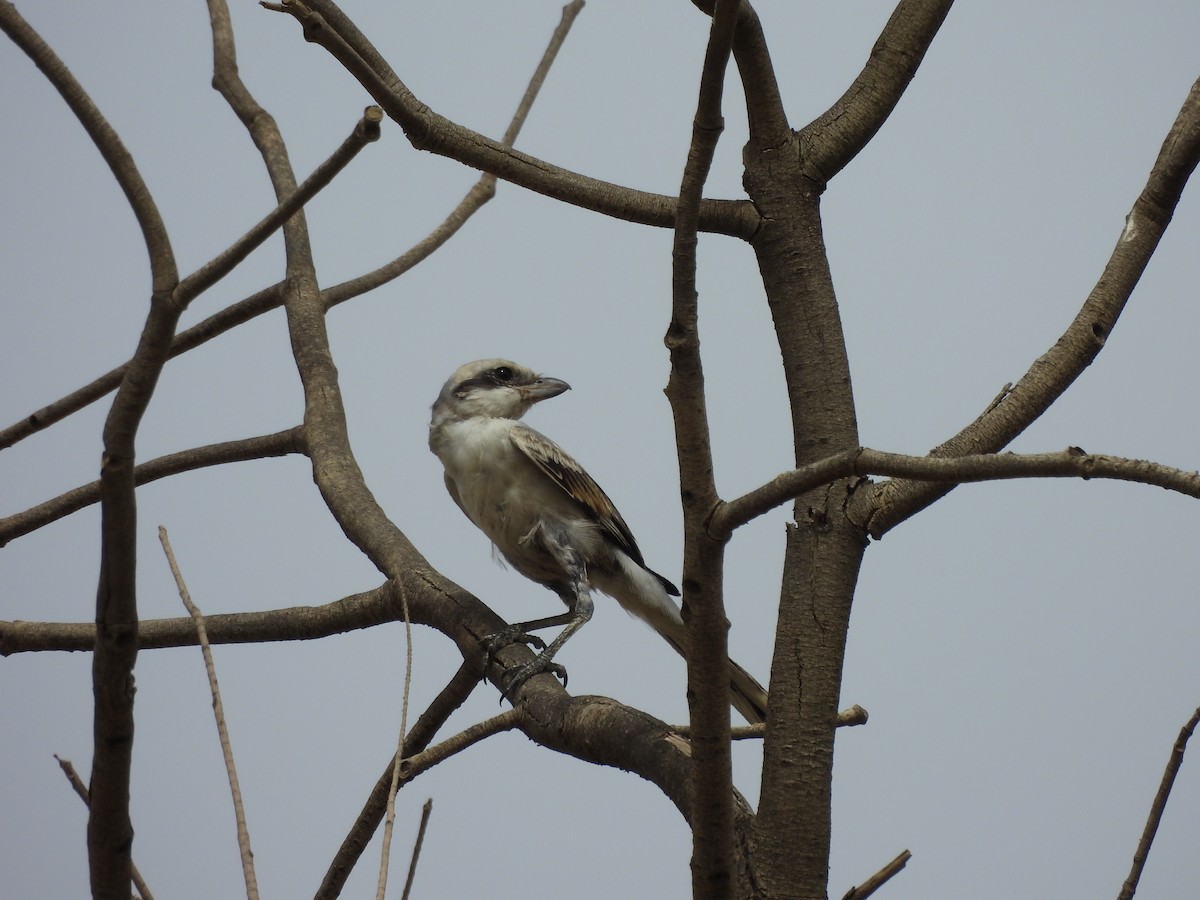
{"points": [[497, 377]]}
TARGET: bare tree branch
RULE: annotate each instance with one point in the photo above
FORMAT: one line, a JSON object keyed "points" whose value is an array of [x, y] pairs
{"points": [[840, 133], [297, 623], [390, 815], [1129, 888], [110, 832], [416, 852], [876, 881], [365, 132], [450, 698], [325, 24], [278, 444], [713, 852], [764, 104], [847, 718], [164, 275], [272, 297], [239, 812], [81, 789], [414, 765], [886, 506], [1070, 463]]}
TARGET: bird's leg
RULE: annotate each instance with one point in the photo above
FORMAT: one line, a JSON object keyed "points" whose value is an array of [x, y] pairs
{"points": [[581, 612], [554, 540]]}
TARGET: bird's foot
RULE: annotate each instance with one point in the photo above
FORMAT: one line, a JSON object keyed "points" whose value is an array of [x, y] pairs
{"points": [[494, 643], [542, 664]]}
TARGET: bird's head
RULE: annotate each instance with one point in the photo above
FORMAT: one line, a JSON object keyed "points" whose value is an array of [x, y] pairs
{"points": [[493, 389]]}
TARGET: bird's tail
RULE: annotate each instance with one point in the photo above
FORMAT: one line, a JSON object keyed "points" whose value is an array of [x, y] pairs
{"points": [[746, 695], [651, 604]]}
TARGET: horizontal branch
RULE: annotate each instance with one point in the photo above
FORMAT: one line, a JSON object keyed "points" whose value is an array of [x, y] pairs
{"points": [[279, 444], [296, 623], [1070, 463], [847, 718], [326, 25]]}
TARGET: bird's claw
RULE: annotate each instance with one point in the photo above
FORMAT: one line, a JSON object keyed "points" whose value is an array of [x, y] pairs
{"points": [[494, 643], [539, 666]]}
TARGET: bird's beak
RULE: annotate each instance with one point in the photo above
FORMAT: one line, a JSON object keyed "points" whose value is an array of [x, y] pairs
{"points": [[544, 389]]}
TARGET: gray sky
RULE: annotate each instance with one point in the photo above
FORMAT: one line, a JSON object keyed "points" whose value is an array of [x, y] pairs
{"points": [[1026, 650]]}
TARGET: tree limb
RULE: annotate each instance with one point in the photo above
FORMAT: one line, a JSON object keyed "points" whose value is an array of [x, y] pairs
{"points": [[886, 506], [835, 137], [278, 444], [713, 850], [1158, 807], [1070, 463], [326, 25]]}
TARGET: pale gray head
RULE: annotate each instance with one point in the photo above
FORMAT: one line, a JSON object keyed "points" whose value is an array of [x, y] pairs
{"points": [[494, 389]]}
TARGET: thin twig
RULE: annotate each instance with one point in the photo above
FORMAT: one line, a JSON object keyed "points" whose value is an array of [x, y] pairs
{"points": [[219, 713], [876, 881], [414, 765], [81, 789], [1157, 807], [449, 699], [389, 818], [847, 718], [412, 866], [272, 297]]}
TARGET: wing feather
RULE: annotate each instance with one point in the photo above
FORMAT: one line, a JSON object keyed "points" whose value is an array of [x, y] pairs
{"points": [[564, 471]]}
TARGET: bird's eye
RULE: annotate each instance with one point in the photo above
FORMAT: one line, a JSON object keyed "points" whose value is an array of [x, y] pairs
{"points": [[503, 373]]}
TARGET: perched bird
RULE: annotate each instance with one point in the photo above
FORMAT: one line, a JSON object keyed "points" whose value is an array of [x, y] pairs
{"points": [[547, 516]]}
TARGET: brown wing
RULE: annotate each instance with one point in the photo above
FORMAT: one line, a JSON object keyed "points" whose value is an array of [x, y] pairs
{"points": [[558, 465]]}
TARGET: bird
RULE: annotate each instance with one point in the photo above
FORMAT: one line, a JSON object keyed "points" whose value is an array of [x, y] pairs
{"points": [[548, 518]]}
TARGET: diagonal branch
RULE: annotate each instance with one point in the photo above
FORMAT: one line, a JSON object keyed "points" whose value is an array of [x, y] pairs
{"points": [[80, 788], [450, 698], [325, 24], [272, 297], [1050, 375], [210, 668], [278, 444], [365, 132], [1158, 807], [838, 135]]}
